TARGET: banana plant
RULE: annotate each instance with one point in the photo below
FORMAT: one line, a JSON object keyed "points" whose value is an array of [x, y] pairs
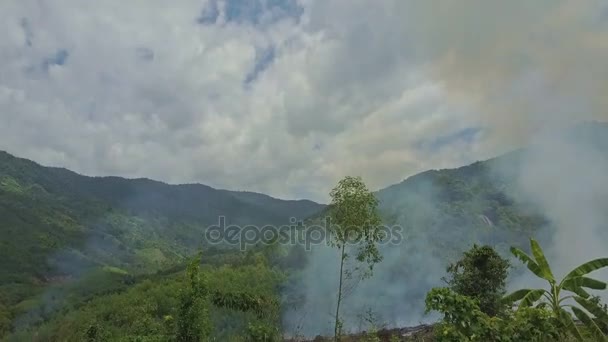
{"points": [[575, 283]]}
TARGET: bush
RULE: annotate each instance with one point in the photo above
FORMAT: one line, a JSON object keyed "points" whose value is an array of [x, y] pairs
{"points": [[465, 322]]}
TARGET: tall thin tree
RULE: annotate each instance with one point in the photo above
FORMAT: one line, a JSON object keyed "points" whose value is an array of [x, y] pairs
{"points": [[355, 223]]}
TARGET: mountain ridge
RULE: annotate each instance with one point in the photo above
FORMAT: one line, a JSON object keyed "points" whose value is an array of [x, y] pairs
{"points": [[6, 155]]}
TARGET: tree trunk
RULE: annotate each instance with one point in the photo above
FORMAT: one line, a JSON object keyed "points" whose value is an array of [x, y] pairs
{"points": [[336, 327]]}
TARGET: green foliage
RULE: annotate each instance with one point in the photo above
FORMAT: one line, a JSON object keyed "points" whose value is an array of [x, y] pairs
{"points": [[68, 239], [9, 184], [464, 321], [454, 208], [355, 219], [263, 333], [371, 335], [480, 274], [541, 315], [155, 306], [355, 223], [5, 320], [193, 323], [593, 316]]}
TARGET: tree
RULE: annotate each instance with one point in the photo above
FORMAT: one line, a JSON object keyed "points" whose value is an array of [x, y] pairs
{"points": [[355, 222], [193, 322], [593, 316], [5, 320], [480, 274]]}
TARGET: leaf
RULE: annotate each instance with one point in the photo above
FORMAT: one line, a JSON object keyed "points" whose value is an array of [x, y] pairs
{"points": [[589, 323], [580, 291], [537, 251], [527, 296], [593, 308], [515, 296], [532, 297], [588, 267], [530, 263], [585, 282], [576, 285], [568, 322]]}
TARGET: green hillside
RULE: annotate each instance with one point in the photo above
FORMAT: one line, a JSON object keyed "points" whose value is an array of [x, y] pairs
{"points": [[456, 207], [58, 227]]}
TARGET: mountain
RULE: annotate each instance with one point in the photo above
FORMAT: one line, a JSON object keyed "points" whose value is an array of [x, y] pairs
{"points": [[496, 201], [478, 202], [55, 223]]}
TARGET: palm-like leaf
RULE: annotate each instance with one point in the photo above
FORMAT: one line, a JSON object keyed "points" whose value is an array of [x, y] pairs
{"points": [[527, 296], [530, 263], [587, 282], [568, 322], [576, 285], [587, 267], [593, 308], [541, 261], [575, 281], [515, 296], [579, 291], [589, 323]]}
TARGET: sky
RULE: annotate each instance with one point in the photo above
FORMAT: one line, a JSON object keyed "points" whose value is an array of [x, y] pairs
{"points": [[286, 97]]}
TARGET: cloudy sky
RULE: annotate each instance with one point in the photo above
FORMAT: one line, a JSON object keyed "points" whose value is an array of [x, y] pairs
{"points": [[287, 96]]}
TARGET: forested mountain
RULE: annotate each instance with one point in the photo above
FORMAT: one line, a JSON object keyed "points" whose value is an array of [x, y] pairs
{"points": [[75, 249], [62, 229], [479, 202], [55, 217]]}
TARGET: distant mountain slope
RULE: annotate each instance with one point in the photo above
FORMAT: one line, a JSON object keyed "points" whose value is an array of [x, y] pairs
{"points": [[145, 196], [56, 222], [485, 201], [453, 208]]}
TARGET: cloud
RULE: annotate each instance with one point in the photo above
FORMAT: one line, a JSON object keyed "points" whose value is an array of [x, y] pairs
{"points": [[522, 65], [286, 96], [263, 60], [255, 12]]}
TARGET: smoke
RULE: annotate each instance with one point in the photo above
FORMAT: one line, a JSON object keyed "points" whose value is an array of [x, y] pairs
{"points": [[560, 177], [394, 295], [520, 66], [564, 172]]}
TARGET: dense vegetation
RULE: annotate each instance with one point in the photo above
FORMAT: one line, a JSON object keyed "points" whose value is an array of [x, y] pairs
{"points": [[577, 282], [481, 274], [466, 320], [156, 307], [67, 239]]}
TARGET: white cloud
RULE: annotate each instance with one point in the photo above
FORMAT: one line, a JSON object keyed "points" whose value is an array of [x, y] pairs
{"points": [[146, 90]]}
